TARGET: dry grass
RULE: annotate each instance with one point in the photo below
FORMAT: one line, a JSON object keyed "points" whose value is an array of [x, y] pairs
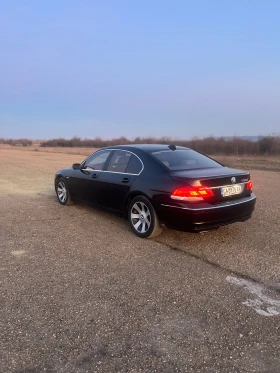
{"points": [[78, 151], [269, 163], [251, 162]]}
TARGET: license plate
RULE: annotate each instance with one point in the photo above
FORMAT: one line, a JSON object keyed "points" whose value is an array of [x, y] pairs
{"points": [[231, 190]]}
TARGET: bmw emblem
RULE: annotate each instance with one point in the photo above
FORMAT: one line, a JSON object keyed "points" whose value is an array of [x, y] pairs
{"points": [[233, 180]]}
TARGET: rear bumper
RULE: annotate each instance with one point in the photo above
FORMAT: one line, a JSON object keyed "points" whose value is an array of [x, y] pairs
{"points": [[199, 217]]}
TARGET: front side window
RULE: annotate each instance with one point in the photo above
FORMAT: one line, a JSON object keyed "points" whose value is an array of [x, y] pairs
{"points": [[97, 160], [119, 161], [184, 159]]}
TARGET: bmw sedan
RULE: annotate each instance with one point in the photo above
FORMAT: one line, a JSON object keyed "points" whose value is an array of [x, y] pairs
{"points": [[156, 185]]}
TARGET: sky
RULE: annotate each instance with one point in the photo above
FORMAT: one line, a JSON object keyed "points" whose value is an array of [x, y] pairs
{"points": [[111, 68]]}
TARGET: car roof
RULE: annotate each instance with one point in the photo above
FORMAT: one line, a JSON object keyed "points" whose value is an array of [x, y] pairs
{"points": [[149, 148]]}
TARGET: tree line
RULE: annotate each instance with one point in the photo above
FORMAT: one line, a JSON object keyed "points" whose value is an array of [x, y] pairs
{"points": [[16, 142], [269, 145]]}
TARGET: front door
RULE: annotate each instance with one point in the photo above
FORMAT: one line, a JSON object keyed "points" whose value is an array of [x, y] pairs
{"points": [[85, 180]]}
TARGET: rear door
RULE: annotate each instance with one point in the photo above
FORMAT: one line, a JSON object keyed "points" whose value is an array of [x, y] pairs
{"points": [[116, 179]]}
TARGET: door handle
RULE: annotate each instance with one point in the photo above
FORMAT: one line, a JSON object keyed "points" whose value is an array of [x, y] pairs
{"points": [[126, 180], [94, 176]]}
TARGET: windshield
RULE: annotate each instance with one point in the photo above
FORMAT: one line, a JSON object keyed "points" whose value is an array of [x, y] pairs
{"points": [[184, 159]]}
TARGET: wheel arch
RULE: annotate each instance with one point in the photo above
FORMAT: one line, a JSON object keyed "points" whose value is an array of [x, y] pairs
{"points": [[134, 194], [57, 177]]}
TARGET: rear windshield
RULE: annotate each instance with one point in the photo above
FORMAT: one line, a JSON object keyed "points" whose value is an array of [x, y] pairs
{"points": [[184, 159]]}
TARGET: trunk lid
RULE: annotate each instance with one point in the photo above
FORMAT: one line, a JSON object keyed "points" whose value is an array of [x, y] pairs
{"points": [[215, 178]]}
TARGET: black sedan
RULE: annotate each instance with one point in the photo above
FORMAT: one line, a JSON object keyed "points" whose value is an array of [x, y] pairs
{"points": [[159, 185]]}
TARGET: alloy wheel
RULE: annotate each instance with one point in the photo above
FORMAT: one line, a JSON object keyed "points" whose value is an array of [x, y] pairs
{"points": [[140, 217], [62, 192]]}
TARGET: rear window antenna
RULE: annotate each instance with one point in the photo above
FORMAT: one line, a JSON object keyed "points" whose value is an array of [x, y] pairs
{"points": [[172, 147]]}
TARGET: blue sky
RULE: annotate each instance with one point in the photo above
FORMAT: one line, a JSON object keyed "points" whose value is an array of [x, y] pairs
{"points": [[139, 68]]}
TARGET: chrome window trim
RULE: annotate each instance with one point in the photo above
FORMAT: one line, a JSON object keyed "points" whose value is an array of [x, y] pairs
{"points": [[213, 207], [113, 172]]}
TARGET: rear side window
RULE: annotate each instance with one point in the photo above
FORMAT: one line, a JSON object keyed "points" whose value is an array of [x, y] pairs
{"points": [[134, 166], [184, 159], [119, 161]]}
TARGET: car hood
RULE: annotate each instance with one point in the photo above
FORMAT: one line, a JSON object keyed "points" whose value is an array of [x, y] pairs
{"points": [[64, 169]]}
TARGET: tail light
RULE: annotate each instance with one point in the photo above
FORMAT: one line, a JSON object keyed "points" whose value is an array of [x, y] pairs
{"points": [[249, 185], [191, 194]]}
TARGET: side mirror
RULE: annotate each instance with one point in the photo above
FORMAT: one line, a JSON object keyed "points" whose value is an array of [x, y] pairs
{"points": [[76, 166]]}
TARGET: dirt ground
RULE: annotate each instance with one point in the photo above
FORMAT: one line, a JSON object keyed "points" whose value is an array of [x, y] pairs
{"points": [[81, 293]]}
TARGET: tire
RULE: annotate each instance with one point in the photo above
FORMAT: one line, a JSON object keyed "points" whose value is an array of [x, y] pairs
{"points": [[143, 218], [62, 192]]}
